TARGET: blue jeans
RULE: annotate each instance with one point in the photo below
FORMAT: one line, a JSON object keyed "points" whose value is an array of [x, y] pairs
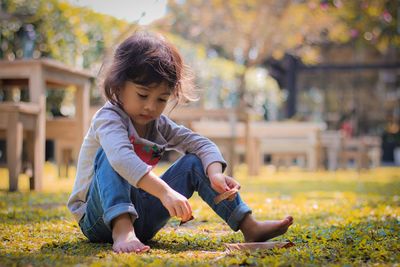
{"points": [[110, 195]]}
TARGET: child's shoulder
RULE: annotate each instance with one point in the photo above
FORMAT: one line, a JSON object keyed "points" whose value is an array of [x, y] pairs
{"points": [[165, 123], [165, 120], [110, 111]]}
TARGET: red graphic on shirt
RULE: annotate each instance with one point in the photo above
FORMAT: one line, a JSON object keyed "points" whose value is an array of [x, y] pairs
{"points": [[149, 154]]}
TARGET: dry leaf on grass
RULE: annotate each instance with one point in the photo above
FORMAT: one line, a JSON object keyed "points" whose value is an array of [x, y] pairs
{"points": [[258, 245]]}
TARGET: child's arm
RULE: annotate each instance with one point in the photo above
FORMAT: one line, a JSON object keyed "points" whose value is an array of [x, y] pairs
{"points": [[185, 141], [111, 133], [176, 204]]}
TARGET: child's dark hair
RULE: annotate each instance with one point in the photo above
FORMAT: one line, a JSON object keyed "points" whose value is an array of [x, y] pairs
{"points": [[147, 59]]}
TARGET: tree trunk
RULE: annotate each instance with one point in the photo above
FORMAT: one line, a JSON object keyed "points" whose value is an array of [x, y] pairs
{"points": [[243, 116]]}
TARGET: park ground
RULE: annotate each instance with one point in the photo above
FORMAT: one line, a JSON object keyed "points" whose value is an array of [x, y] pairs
{"points": [[342, 218]]}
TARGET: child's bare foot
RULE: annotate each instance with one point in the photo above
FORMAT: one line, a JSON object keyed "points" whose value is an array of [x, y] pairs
{"points": [[128, 242], [124, 236], [255, 231]]}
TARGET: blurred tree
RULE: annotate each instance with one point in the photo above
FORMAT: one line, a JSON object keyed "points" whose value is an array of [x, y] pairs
{"points": [[215, 73], [248, 32], [56, 29], [368, 23], [251, 32]]}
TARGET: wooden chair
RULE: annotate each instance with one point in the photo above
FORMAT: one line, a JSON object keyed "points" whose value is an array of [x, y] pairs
{"points": [[17, 120]]}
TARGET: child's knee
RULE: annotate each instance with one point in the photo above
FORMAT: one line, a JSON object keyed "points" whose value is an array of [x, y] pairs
{"points": [[100, 157], [193, 160], [101, 162]]}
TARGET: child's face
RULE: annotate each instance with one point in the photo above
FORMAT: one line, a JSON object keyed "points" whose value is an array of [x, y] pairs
{"points": [[144, 104]]}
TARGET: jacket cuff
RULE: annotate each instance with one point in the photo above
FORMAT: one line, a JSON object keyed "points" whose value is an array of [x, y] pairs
{"points": [[139, 174], [206, 162]]}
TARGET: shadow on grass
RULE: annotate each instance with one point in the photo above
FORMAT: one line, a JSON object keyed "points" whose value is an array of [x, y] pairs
{"points": [[84, 248], [176, 246], [57, 254], [79, 248], [32, 215], [32, 207]]}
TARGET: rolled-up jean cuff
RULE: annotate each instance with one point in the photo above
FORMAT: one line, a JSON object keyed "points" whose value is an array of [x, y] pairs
{"points": [[237, 216], [117, 210]]}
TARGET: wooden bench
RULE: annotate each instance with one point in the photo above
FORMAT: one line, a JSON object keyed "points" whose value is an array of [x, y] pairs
{"points": [[189, 116], [374, 150], [332, 145], [362, 152], [289, 141], [278, 139]]}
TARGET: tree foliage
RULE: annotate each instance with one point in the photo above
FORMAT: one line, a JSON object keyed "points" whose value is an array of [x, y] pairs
{"points": [[56, 29], [257, 31], [251, 31], [371, 23]]}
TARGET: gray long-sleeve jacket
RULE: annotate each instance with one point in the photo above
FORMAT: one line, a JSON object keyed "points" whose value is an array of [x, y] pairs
{"points": [[112, 129]]}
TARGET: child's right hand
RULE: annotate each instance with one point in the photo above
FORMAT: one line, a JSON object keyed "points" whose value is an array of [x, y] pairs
{"points": [[177, 205]]}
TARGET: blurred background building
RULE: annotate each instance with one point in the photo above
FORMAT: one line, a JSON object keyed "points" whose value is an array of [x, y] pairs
{"points": [[328, 61]]}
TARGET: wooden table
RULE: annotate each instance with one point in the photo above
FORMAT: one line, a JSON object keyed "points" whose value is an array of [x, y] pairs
{"points": [[38, 76]]}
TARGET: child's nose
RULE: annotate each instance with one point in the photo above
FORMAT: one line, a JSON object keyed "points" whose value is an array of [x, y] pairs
{"points": [[149, 106]]}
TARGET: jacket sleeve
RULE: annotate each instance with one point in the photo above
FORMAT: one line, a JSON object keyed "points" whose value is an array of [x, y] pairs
{"points": [[185, 141], [112, 134]]}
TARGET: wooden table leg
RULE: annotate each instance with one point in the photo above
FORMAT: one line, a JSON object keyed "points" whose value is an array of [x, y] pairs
{"points": [[31, 155], [14, 150]]}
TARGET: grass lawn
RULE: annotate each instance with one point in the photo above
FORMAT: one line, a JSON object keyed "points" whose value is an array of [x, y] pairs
{"points": [[341, 218]]}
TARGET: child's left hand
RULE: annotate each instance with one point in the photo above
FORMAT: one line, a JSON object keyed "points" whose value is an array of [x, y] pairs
{"points": [[222, 183]]}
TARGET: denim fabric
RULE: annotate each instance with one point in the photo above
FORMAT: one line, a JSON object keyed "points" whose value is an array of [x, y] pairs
{"points": [[110, 196]]}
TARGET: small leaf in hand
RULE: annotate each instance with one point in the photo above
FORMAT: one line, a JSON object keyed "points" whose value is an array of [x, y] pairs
{"points": [[182, 222], [226, 195]]}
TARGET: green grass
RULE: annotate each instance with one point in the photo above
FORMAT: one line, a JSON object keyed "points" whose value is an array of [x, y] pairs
{"points": [[341, 218]]}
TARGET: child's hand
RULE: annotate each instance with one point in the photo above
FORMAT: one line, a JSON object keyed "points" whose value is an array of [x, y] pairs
{"points": [[222, 183], [177, 205]]}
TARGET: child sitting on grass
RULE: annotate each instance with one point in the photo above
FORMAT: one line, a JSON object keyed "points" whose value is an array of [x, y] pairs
{"points": [[117, 198]]}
